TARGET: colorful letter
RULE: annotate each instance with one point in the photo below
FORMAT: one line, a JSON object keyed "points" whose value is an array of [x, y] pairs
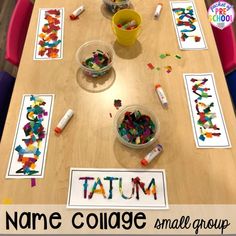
{"points": [[94, 190], [111, 186], [85, 184]]}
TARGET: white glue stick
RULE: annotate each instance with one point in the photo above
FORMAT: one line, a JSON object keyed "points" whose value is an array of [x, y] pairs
{"points": [[158, 10], [65, 119], [161, 95], [130, 24], [77, 12], [151, 155]]}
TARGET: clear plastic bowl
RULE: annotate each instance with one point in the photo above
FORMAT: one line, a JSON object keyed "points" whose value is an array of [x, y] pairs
{"points": [[116, 6], [144, 111], [86, 51]]}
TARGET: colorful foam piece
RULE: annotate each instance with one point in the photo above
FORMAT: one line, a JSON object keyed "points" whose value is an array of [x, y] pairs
{"points": [[7, 201], [226, 44], [17, 31], [6, 87], [117, 103], [231, 81]]}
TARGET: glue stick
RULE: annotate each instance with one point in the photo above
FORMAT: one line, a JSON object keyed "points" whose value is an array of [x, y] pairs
{"points": [[65, 119], [158, 10], [161, 95], [130, 24], [77, 12], [151, 155]]}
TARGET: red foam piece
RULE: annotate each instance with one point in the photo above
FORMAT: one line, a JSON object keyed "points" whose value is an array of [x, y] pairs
{"points": [[151, 66]]}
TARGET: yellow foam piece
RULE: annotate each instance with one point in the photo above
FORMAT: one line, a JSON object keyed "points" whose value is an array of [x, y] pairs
{"points": [[7, 201]]}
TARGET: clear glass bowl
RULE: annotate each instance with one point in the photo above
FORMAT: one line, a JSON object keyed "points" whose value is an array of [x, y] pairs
{"points": [[144, 111], [116, 6], [86, 51]]}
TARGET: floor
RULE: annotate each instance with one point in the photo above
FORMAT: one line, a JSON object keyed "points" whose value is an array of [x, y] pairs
{"points": [[6, 8]]}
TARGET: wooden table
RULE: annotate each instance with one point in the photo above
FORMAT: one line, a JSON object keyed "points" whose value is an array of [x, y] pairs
{"points": [[193, 175]]}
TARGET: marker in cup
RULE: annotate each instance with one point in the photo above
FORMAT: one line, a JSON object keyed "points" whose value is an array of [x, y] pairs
{"points": [[130, 25], [63, 122]]}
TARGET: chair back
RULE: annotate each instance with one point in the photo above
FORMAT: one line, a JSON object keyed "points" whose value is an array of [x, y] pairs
{"points": [[226, 44], [17, 30]]}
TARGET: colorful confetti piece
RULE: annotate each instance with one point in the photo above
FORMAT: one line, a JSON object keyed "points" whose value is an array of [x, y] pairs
{"points": [[178, 56], [33, 182], [150, 66], [117, 103], [7, 201], [168, 69], [164, 55]]}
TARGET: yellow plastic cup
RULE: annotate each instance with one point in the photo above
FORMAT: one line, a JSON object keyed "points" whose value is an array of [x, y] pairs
{"points": [[126, 37]]}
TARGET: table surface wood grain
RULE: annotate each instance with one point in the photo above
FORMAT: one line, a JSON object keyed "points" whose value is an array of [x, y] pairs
{"points": [[194, 176]]}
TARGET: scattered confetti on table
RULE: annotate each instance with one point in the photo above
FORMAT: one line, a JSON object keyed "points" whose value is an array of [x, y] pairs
{"points": [[178, 56], [49, 34], [28, 155], [168, 69], [164, 55], [206, 115], [187, 25], [137, 128], [33, 182], [117, 103], [117, 188], [150, 66]]}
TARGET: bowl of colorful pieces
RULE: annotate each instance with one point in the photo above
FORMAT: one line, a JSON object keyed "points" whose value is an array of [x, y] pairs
{"points": [[95, 58], [116, 5], [136, 126]]}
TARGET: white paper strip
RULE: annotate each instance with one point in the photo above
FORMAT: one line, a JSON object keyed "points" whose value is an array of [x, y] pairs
{"points": [[28, 155], [49, 34], [187, 25], [117, 188], [205, 111]]}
